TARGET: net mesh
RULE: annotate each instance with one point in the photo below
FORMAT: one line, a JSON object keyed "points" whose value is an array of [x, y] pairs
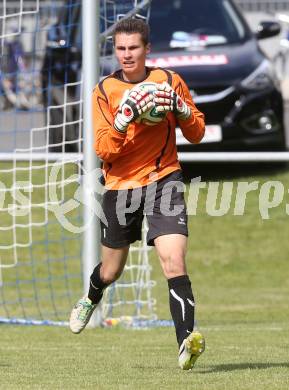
{"points": [[40, 192]]}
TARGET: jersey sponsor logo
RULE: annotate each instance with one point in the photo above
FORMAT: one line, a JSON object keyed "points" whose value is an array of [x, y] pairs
{"points": [[188, 60]]}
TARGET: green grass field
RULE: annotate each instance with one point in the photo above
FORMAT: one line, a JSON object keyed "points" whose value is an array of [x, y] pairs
{"points": [[240, 276]]}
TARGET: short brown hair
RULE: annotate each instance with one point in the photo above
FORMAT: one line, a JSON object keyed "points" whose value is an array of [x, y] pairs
{"points": [[132, 26]]}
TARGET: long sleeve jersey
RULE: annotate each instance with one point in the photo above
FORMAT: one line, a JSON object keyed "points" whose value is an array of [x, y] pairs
{"points": [[143, 153]]}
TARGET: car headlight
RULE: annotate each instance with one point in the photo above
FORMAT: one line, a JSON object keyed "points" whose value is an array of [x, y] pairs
{"points": [[263, 77]]}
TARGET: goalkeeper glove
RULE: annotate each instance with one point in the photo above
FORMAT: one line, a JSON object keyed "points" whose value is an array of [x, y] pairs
{"points": [[133, 104], [166, 99]]}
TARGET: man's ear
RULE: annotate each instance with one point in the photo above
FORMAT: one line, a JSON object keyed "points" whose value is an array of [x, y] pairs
{"points": [[148, 48]]}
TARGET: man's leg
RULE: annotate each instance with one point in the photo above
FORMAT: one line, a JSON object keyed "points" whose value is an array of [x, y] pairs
{"points": [[105, 273], [171, 249], [116, 238]]}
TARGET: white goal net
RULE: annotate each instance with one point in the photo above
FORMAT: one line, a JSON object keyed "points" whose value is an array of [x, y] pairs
{"points": [[41, 170]]}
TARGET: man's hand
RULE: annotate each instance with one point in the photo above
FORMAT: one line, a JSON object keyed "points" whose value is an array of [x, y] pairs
{"points": [[166, 99], [134, 103]]}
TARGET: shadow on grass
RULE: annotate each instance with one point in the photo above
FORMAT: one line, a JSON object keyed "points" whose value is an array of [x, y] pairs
{"points": [[243, 366]]}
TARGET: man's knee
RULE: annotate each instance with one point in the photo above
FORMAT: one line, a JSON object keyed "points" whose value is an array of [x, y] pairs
{"points": [[113, 262], [109, 275], [173, 264]]}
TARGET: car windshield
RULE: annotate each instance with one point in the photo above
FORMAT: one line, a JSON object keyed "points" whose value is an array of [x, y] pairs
{"points": [[183, 24]]}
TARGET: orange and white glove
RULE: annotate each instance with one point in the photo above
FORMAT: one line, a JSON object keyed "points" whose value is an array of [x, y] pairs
{"points": [[166, 99], [134, 103]]}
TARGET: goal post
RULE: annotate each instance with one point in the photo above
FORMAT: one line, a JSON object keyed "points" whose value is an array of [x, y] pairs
{"points": [[90, 67]]}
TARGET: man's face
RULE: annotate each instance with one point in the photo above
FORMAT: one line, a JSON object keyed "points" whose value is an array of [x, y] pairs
{"points": [[131, 53]]}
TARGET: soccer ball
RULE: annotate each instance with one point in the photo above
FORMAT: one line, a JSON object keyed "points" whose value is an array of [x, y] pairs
{"points": [[150, 117]]}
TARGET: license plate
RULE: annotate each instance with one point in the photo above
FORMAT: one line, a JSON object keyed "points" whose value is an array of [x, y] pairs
{"points": [[213, 133]]}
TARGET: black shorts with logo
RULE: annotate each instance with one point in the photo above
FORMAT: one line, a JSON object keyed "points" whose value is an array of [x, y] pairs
{"points": [[162, 202]]}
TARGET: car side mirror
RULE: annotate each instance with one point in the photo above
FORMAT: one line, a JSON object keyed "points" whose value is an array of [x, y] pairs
{"points": [[267, 30]]}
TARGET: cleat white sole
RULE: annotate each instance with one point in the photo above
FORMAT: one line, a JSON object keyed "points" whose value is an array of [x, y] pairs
{"points": [[77, 322]]}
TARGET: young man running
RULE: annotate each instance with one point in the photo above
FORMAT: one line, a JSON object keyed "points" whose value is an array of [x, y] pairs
{"points": [[140, 157]]}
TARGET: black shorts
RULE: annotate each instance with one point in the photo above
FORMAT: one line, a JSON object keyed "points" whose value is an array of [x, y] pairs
{"points": [[162, 203]]}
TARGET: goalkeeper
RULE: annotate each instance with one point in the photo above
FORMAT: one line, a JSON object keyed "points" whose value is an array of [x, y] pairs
{"points": [[141, 157]]}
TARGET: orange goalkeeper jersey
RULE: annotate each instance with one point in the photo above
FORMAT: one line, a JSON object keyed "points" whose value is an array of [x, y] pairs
{"points": [[143, 153]]}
